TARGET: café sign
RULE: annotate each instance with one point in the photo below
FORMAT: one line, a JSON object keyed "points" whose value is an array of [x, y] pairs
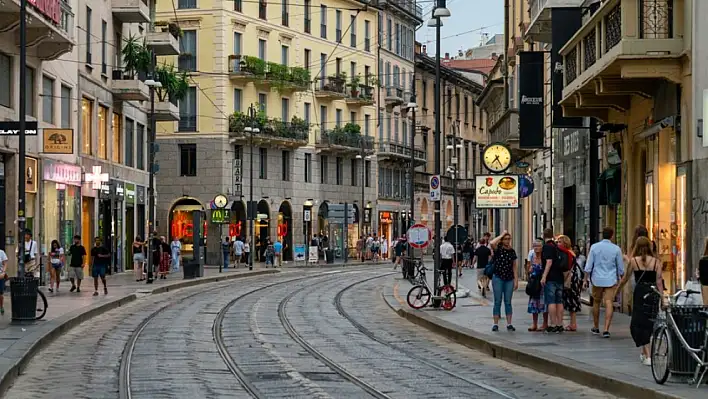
{"points": [[49, 8], [61, 172], [497, 191]]}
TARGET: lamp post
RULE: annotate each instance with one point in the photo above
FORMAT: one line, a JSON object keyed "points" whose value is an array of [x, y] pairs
{"points": [[411, 107], [21, 149], [152, 84], [251, 130], [363, 157], [436, 21]]}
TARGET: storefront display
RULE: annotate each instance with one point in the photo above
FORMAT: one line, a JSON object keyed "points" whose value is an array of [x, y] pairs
{"points": [[61, 191], [679, 228]]}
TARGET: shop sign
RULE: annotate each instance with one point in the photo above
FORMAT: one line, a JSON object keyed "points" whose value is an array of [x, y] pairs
{"points": [[385, 217], [61, 172], [30, 175], [572, 144], [307, 215], [221, 216], [58, 141], [140, 195], [497, 191], [96, 178], [130, 192], [12, 128], [49, 8], [299, 253], [119, 189]]}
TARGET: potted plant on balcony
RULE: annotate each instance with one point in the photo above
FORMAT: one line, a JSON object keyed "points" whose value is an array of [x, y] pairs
{"points": [[338, 81], [237, 122], [136, 57], [278, 75], [354, 86], [300, 127], [253, 65], [175, 30], [300, 77]]}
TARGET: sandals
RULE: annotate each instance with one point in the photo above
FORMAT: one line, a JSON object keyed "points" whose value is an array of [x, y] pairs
{"points": [[571, 328], [533, 329]]}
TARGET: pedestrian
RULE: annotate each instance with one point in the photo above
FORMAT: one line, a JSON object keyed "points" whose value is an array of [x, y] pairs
{"points": [[247, 253], [647, 273], [100, 260], [278, 251], [603, 269], [176, 247], [384, 248], [225, 248], [703, 272], [572, 283], [164, 258], [467, 253], [76, 265], [579, 256], [537, 304], [480, 259], [156, 251], [56, 263], [360, 244], [238, 250], [375, 245], [505, 279], [30, 257], [369, 243], [447, 253], [400, 251], [3, 279], [552, 281], [138, 259]]}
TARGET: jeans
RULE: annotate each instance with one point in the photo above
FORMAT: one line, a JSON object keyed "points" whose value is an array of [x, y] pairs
{"points": [[226, 260], [505, 289]]}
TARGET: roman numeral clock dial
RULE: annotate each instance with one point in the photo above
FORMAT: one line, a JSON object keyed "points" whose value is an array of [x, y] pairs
{"points": [[497, 157]]}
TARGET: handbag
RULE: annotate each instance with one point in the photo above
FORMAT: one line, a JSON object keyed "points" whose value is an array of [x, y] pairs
{"points": [[489, 269], [28, 254], [533, 288]]}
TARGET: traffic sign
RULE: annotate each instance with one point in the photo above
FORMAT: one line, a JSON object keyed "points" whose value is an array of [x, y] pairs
{"points": [[461, 235], [435, 188], [418, 236]]}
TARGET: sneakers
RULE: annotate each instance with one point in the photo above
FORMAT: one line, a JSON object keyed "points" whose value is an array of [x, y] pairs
{"points": [[645, 360], [495, 328], [510, 328], [95, 293], [606, 334], [73, 288], [553, 329], [595, 331]]}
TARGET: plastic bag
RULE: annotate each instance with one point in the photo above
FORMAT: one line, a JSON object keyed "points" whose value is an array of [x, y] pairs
{"points": [[694, 299]]}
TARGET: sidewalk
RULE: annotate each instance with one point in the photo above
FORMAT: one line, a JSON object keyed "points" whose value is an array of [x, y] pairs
{"points": [[608, 364], [19, 342]]}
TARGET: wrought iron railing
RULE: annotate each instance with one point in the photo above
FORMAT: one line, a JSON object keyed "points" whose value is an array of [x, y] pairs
{"points": [[332, 84], [571, 65], [613, 27], [403, 150], [657, 19], [270, 128], [590, 49], [339, 138]]}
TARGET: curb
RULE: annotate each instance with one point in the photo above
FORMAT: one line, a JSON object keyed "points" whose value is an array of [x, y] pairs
{"points": [[41, 339], [527, 357]]}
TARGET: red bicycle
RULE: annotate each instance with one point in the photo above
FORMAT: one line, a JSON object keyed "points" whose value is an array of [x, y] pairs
{"points": [[419, 295]]}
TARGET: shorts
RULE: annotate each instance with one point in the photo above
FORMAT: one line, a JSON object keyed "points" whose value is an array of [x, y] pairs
{"points": [[98, 271], [2, 285], [604, 294], [139, 257], [466, 256], [57, 266], [76, 272], [553, 293]]}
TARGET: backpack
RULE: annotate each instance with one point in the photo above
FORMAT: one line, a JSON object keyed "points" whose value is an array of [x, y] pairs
{"points": [[561, 260]]}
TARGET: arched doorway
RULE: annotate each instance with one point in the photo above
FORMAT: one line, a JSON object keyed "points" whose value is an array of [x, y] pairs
{"points": [[448, 215], [423, 212], [285, 229], [322, 222], [262, 227], [353, 232], [238, 225], [182, 221]]}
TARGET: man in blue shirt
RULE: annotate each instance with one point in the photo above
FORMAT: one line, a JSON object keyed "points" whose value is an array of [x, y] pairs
{"points": [[278, 249], [604, 268]]}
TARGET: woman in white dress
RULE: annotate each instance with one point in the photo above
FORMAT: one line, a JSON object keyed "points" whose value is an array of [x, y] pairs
{"points": [[384, 248]]}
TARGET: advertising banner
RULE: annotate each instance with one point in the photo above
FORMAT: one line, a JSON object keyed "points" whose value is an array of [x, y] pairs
{"points": [[531, 89], [566, 21], [497, 191]]}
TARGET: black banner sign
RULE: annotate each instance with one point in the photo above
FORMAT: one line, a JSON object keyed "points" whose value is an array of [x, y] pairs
{"points": [[566, 21], [531, 113], [12, 128]]}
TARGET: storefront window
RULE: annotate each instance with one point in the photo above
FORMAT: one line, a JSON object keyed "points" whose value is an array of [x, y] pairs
{"points": [[102, 132], [679, 228], [86, 125]]}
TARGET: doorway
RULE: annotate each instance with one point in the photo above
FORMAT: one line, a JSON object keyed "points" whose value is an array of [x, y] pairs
{"points": [[129, 236], [569, 209], [87, 221]]}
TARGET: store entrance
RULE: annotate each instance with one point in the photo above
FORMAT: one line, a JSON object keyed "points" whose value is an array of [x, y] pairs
{"points": [[569, 205], [129, 237]]}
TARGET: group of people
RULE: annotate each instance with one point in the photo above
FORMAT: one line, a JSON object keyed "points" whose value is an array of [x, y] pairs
{"points": [[373, 247], [237, 251], [166, 257]]}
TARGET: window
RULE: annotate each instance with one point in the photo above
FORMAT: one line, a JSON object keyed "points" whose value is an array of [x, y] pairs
{"points": [[263, 163], [103, 132], [338, 26], [340, 172], [367, 36], [388, 126], [381, 127], [352, 31], [88, 38], [352, 117], [388, 78], [188, 159], [367, 75], [398, 39], [323, 69], [367, 124], [308, 168], [238, 5], [263, 102], [307, 113], [140, 147], [396, 76], [457, 105], [323, 169], [238, 95], [381, 72], [47, 99], [338, 117], [284, 55], [116, 145], [448, 99], [367, 173], [425, 93], [354, 172], [323, 118], [395, 129], [380, 29], [474, 114], [308, 59], [262, 8], [29, 87], [389, 37], [466, 110], [352, 70], [129, 139], [238, 44], [6, 80], [186, 4], [404, 130], [188, 111], [284, 13], [188, 51], [104, 47], [262, 49], [308, 16], [403, 79], [323, 21], [338, 66], [86, 125], [65, 107], [285, 166], [285, 109]]}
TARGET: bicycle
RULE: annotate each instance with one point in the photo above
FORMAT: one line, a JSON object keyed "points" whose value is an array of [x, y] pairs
{"points": [[662, 343], [419, 295]]}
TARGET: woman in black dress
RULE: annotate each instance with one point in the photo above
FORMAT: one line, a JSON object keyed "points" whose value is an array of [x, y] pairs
{"points": [[647, 272]]}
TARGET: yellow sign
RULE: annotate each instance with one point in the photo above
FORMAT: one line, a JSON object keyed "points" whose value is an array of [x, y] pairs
{"points": [[58, 141], [31, 175]]}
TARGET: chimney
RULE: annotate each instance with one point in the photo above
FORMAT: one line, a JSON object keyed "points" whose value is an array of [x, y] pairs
{"points": [[447, 56]]}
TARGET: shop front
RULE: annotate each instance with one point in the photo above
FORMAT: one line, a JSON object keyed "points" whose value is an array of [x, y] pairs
{"points": [[285, 229], [238, 224], [31, 186], [182, 221], [61, 202], [129, 226], [388, 225]]}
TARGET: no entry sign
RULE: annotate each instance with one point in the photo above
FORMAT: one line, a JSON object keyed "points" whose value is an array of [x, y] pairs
{"points": [[418, 236]]}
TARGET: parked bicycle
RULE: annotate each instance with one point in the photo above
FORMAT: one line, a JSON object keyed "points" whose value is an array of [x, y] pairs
{"points": [[667, 332], [419, 296]]}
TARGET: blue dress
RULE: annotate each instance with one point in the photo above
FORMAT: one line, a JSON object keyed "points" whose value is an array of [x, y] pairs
{"points": [[536, 305]]}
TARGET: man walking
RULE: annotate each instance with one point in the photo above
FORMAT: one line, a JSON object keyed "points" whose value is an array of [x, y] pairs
{"points": [[552, 282], [447, 250], [225, 247], [278, 249], [100, 259], [76, 266], [238, 251], [604, 268]]}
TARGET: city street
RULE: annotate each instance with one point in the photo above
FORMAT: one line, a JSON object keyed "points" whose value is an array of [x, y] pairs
{"points": [[304, 334]]}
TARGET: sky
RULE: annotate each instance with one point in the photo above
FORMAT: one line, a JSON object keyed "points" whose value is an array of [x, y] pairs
{"points": [[467, 15]]}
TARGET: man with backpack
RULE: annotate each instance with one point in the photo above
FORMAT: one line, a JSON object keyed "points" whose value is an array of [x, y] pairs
{"points": [[552, 281]]}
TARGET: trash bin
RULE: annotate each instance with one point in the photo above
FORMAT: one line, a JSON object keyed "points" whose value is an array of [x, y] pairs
{"points": [[693, 329], [329, 255], [191, 269], [23, 295]]}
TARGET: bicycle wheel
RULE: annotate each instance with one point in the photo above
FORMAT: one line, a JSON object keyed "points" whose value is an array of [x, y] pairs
{"points": [[449, 297], [418, 297], [42, 311], [661, 352]]}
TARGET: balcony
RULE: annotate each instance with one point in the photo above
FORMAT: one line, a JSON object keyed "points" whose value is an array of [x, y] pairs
{"points": [[165, 111], [331, 88], [394, 97], [422, 181], [624, 49], [363, 95], [539, 29], [409, 7], [272, 132], [247, 69], [400, 153], [49, 29], [163, 43], [130, 11], [127, 88], [344, 141]]}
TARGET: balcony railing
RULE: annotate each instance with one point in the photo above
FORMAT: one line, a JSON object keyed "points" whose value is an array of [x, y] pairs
{"points": [[187, 123], [335, 85], [337, 137], [404, 151], [506, 129], [410, 7], [270, 73], [296, 130]]}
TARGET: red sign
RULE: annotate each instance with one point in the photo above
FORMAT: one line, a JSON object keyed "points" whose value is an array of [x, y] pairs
{"points": [[419, 236], [50, 8]]}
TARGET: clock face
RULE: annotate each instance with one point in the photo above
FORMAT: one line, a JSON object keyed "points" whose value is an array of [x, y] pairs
{"points": [[497, 158], [220, 201]]}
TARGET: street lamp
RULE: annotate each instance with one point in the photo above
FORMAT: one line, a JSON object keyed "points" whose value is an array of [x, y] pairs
{"points": [[362, 156], [412, 107], [251, 130], [152, 85], [439, 12]]}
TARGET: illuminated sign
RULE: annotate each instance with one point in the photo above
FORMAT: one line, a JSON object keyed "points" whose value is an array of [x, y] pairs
{"points": [[496, 192], [49, 8]]}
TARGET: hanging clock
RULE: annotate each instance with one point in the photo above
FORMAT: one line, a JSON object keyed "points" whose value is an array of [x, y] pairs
{"points": [[220, 201], [496, 157]]}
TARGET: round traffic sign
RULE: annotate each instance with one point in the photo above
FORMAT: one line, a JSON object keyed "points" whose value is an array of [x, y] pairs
{"points": [[418, 236], [434, 182]]}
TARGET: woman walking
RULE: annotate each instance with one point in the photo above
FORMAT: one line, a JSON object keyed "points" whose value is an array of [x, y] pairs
{"points": [[505, 280], [647, 273], [572, 285], [56, 259], [536, 304], [164, 258], [384, 248], [176, 247], [138, 259]]}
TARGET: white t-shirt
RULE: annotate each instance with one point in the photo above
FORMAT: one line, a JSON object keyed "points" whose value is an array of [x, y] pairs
{"points": [[56, 259], [447, 250], [3, 259], [238, 247], [246, 247]]}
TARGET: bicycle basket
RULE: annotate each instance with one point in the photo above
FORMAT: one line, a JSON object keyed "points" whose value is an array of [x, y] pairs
{"points": [[692, 328]]}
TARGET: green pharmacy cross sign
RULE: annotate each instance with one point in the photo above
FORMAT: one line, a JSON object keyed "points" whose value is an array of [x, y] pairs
{"points": [[220, 216]]}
